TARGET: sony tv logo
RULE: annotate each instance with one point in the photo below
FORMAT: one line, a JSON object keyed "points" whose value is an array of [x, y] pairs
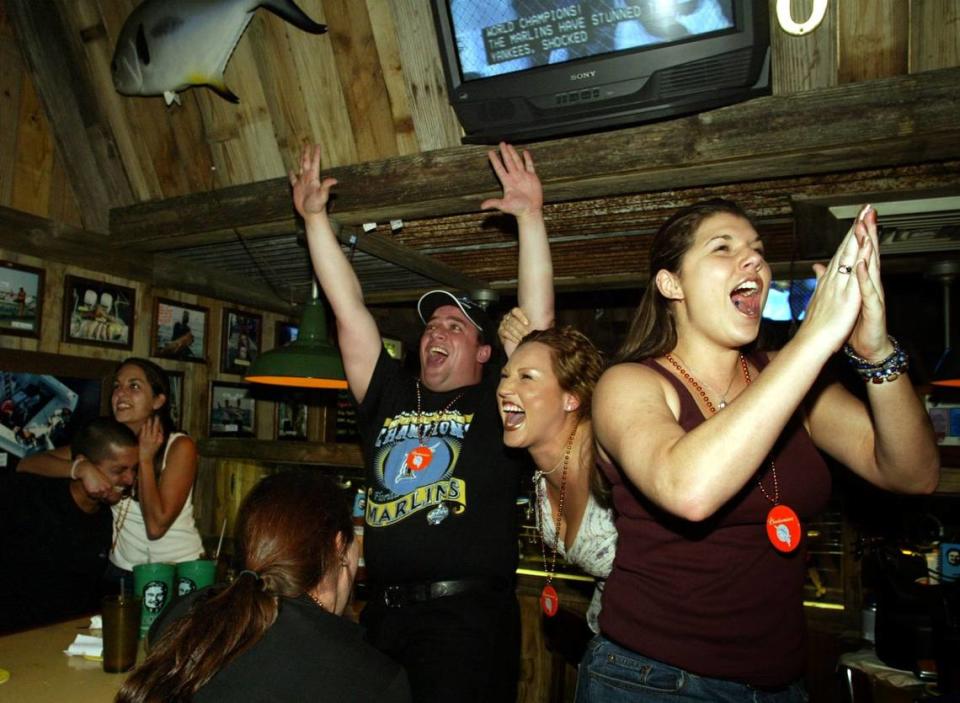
{"points": [[582, 75]]}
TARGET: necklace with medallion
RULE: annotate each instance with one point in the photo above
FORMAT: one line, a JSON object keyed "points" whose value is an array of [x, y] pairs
{"points": [[549, 599], [782, 524], [420, 457]]}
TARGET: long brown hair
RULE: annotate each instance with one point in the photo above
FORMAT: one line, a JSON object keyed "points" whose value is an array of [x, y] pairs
{"points": [[577, 364], [287, 529], [653, 331]]}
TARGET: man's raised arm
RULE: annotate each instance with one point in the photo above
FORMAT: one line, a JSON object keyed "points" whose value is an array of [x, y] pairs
{"points": [[357, 331]]}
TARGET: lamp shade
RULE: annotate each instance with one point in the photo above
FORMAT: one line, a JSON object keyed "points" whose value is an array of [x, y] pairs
{"points": [[310, 361], [947, 372]]}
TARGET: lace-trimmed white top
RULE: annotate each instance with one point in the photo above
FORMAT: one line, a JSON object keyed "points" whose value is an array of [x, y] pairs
{"points": [[593, 548]]}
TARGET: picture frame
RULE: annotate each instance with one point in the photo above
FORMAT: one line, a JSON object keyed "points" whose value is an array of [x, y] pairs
{"points": [[394, 348], [241, 340], [233, 410], [98, 313], [285, 333], [180, 330], [291, 421], [21, 299], [175, 401], [45, 398]]}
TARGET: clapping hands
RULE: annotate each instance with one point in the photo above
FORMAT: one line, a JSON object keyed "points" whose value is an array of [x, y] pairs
{"points": [[849, 302]]}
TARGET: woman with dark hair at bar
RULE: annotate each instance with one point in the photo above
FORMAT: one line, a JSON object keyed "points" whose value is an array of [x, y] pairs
{"points": [[711, 449], [275, 632], [156, 522]]}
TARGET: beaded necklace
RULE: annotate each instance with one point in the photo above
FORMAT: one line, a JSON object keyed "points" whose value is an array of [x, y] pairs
{"points": [[118, 523], [783, 525], [549, 600]]}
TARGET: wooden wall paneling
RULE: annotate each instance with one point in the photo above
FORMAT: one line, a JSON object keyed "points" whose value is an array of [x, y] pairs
{"points": [[10, 81], [873, 39], [433, 118], [82, 135], [277, 68], [34, 156], [316, 71], [934, 34], [358, 64], [63, 204], [806, 62], [385, 35], [133, 120]]}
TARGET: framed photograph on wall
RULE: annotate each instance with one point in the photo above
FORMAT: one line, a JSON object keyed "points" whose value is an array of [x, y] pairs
{"points": [[242, 332], [98, 313], [21, 299], [233, 411], [286, 332], [291, 421], [176, 397], [45, 398], [180, 330]]}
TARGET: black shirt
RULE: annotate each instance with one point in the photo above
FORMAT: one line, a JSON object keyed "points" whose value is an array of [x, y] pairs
{"points": [[441, 486], [307, 654], [52, 554]]}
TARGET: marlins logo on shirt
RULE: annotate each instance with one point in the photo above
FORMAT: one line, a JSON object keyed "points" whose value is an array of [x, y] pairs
{"points": [[416, 456]]}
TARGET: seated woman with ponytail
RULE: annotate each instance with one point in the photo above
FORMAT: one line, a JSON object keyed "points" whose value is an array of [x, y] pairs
{"points": [[275, 632]]}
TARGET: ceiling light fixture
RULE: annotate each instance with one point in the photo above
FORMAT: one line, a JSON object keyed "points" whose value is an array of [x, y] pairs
{"points": [[310, 361]]}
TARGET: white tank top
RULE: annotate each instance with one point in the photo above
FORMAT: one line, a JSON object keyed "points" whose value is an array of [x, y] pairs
{"points": [[180, 543]]}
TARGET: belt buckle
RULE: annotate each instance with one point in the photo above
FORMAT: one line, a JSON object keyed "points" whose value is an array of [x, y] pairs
{"points": [[393, 596]]}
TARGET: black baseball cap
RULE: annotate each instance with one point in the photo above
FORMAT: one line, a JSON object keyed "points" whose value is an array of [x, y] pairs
{"points": [[471, 309]]}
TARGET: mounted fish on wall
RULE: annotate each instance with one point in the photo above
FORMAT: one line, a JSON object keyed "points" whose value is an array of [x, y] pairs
{"points": [[170, 45]]}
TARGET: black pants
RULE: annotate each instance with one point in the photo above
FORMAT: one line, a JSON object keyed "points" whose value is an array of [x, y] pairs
{"points": [[457, 648]]}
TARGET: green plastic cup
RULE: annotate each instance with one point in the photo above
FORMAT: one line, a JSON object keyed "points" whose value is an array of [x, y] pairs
{"points": [[153, 583], [192, 575]]}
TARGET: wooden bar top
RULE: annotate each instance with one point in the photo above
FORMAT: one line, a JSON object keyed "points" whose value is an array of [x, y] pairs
{"points": [[40, 672]]}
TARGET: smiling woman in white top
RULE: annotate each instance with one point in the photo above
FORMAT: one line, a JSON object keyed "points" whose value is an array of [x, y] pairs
{"points": [[156, 522]]}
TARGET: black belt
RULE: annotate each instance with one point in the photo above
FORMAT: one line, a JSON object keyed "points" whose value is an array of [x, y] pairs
{"points": [[401, 594]]}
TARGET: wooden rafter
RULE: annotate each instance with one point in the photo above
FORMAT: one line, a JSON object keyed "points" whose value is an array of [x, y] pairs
{"points": [[901, 120], [83, 141]]}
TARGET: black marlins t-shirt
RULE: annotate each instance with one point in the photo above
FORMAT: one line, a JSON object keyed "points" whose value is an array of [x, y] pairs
{"points": [[441, 487]]}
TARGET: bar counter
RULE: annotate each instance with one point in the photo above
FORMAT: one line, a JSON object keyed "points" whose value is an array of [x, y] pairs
{"points": [[40, 672]]}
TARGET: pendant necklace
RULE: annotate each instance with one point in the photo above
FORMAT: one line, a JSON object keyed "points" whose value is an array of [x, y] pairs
{"points": [[782, 524], [118, 523], [549, 600], [723, 396], [419, 458]]}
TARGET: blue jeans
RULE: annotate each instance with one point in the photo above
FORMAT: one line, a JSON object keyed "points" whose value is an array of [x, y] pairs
{"points": [[611, 674]]}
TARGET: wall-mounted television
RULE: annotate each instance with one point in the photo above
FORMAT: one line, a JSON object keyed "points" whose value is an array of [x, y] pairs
{"points": [[532, 69]]}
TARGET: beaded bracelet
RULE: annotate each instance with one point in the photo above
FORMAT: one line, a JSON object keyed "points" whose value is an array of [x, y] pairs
{"points": [[887, 370], [73, 467]]}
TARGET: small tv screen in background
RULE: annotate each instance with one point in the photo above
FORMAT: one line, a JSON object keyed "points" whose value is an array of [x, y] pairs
{"points": [[496, 37], [788, 300]]}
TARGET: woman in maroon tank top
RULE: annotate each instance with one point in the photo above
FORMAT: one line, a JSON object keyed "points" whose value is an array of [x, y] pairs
{"points": [[711, 451]]}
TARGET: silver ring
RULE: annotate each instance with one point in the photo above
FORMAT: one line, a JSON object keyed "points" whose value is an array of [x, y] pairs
{"points": [[843, 268]]}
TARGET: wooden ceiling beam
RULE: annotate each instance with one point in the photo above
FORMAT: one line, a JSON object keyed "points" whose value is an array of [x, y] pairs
{"points": [[900, 120], [53, 241], [83, 137]]}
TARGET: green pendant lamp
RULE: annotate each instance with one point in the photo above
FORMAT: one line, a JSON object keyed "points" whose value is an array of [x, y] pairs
{"points": [[310, 361]]}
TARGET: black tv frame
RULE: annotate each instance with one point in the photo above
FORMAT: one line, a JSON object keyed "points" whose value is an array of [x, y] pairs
{"points": [[611, 90]]}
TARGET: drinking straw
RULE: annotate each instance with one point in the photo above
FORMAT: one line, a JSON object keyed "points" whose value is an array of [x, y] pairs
{"points": [[223, 529]]}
